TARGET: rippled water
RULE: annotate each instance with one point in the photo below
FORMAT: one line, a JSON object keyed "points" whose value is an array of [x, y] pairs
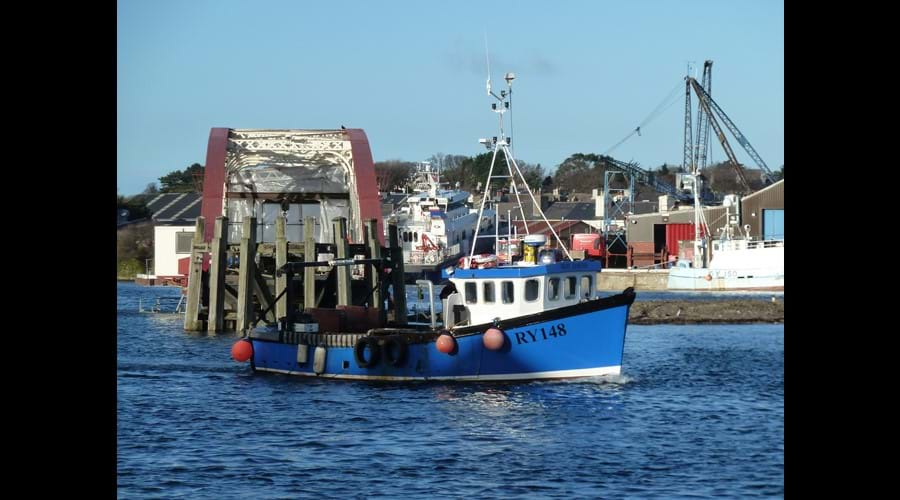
{"points": [[699, 411]]}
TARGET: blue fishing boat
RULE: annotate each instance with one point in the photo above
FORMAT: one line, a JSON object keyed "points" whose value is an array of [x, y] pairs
{"points": [[538, 317]]}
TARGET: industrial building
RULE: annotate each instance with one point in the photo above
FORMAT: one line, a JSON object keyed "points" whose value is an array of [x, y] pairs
{"points": [[760, 213]]}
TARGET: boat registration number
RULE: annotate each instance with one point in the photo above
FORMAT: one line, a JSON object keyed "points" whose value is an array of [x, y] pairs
{"points": [[539, 334]]}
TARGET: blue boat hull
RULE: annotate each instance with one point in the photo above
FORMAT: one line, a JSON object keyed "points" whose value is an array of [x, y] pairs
{"points": [[576, 341]]}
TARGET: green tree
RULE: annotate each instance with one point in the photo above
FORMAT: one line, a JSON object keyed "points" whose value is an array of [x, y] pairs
{"points": [[778, 175], [723, 179], [134, 245], [136, 206], [188, 180], [582, 172]]}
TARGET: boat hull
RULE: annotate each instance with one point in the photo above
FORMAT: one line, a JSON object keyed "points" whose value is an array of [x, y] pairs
{"points": [[726, 279], [583, 340]]}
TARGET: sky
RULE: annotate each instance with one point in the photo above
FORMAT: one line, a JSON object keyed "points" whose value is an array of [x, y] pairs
{"points": [[412, 75]]}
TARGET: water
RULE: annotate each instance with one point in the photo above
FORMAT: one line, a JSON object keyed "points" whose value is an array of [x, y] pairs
{"points": [[699, 411]]}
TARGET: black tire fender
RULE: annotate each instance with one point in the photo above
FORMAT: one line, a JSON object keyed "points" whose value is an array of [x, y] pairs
{"points": [[392, 345], [359, 352]]}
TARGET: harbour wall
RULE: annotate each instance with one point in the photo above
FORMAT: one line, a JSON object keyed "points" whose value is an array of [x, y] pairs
{"points": [[620, 279]]}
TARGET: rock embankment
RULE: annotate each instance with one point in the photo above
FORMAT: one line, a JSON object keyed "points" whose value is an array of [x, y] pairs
{"points": [[711, 311]]}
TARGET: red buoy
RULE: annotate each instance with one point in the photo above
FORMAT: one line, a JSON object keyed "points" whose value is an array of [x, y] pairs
{"points": [[494, 339], [242, 350], [446, 343]]}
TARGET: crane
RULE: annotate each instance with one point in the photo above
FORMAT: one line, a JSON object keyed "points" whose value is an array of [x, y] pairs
{"points": [[702, 146], [710, 107], [646, 177]]}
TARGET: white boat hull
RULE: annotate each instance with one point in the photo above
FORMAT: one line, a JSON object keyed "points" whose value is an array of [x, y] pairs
{"points": [[736, 265], [726, 279]]}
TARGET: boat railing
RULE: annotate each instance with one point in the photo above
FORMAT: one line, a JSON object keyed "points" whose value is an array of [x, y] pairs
{"points": [[746, 244], [434, 256], [173, 305]]}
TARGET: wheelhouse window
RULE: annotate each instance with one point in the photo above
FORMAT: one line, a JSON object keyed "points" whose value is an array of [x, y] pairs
{"points": [[488, 292], [471, 293], [507, 288], [553, 289], [586, 289], [532, 290], [571, 286]]}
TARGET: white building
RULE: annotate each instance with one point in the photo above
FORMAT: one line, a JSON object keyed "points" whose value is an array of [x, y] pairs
{"points": [[174, 219]]}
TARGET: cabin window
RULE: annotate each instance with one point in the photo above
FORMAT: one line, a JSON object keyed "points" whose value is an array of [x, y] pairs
{"points": [[532, 289], [488, 290], [553, 289], [416, 236], [507, 287], [586, 289], [184, 241], [471, 291], [570, 287]]}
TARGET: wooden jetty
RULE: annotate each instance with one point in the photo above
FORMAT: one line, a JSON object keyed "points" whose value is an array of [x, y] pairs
{"points": [[235, 298]]}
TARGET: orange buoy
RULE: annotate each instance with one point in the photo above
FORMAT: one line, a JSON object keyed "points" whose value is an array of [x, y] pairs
{"points": [[494, 339], [242, 350], [708, 277], [446, 343]]}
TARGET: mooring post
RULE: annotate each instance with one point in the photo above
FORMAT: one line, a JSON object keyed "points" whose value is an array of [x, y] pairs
{"points": [[343, 272], [281, 258], [246, 275], [217, 276], [397, 274], [375, 273], [309, 255], [195, 280]]}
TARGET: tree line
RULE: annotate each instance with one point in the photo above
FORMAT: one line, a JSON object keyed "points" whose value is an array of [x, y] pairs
{"points": [[580, 172]]}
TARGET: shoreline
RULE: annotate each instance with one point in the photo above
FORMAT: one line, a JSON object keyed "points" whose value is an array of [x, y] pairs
{"points": [[660, 312]]}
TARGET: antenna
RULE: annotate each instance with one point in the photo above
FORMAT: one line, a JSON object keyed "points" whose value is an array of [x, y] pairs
{"points": [[487, 55], [502, 144]]}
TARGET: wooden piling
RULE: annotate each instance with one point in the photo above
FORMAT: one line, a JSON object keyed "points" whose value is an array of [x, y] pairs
{"points": [[397, 274], [309, 255], [217, 263], [192, 321], [263, 295], [375, 269], [339, 224], [246, 275], [281, 258]]}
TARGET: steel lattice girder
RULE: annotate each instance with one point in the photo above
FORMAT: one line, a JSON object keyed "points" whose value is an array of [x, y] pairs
{"points": [[282, 162]]}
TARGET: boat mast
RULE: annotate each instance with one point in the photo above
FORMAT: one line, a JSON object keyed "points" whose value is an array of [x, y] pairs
{"points": [[502, 143], [697, 258]]}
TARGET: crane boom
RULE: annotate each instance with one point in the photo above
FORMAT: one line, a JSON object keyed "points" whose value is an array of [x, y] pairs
{"points": [[710, 103], [688, 164], [721, 135], [702, 146], [647, 178]]}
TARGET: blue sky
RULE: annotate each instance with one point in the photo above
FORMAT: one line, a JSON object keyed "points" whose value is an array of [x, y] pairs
{"points": [[412, 75]]}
